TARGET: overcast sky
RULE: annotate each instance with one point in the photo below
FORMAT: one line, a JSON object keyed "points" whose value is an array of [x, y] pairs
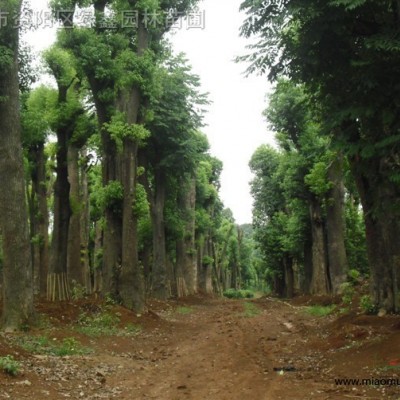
{"points": [[235, 126]]}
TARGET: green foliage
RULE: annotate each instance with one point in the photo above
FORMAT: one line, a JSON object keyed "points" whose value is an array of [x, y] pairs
{"points": [[320, 311], [207, 260], [102, 324], [120, 130], [105, 323], [9, 365], [238, 294], [347, 290], [44, 345], [317, 179], [367, 306], [353, 276], [78, 291], [111, 197]]}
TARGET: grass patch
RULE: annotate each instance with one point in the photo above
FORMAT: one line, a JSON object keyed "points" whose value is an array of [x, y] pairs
{"points": [[105, 324], [102, 324], [9, 365], [250, 310], [238, 294], [320, 311], [184, 310], [43, 345]]}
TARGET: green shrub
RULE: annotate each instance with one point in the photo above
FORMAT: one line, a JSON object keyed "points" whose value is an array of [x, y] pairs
{"points": [[354, 276], [103, 324], [347, 290], [366, 305], [238, 294], [9, 365]]}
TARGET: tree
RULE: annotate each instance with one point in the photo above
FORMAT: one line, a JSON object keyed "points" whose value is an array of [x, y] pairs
{"points": [[172, 152], [346, 52], [35, 127], [17, 269], [67, 113]]}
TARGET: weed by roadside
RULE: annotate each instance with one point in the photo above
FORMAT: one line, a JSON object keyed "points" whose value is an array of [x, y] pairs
{"points": [[184, 310], [43, 345], [104, 324], [320, 311], [9, 365]]}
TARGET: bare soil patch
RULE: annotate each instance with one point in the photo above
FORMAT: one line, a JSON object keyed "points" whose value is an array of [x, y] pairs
{"points": [[207, 348]]}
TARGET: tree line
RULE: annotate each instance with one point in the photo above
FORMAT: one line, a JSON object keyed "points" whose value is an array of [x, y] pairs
{"points": [[108, 186], [327, 200]]}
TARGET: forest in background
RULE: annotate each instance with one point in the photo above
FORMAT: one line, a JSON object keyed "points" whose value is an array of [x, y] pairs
{"points": [[108, 186]]}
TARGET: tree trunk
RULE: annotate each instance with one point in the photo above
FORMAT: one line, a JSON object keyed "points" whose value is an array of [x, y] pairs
{"points": [[130, 284], [17, 268], [159, 270], [308, 263], [380, 201], [289, 277], [335, 226], [76, 275], [85, 225], [39, 218], [319, 281], [205, 267], [186, 252], [57, 281]]}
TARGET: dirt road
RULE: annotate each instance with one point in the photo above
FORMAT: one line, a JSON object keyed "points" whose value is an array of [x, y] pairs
{"points": [[213, 349]]}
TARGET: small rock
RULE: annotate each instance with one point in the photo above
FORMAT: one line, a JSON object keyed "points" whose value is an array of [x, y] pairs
{"points": [[382, 312], [25, 383]]}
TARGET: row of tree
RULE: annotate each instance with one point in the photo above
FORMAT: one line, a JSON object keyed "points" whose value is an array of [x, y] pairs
{"points": [[335, 111], [115, 192]]}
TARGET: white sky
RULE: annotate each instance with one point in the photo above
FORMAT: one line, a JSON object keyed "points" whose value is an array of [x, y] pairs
{"points": [[235, 126]]}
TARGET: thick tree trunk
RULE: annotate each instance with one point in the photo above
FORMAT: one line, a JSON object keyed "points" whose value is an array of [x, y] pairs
{"points": [[308, 263], [39, 218], [380, 201], [159, 270], [17, 268], [76, 274], [186, 253], [57, 281], [130, 284], [85, 224], [289, 277], [320, 280], [205, 267], [335, 226]]}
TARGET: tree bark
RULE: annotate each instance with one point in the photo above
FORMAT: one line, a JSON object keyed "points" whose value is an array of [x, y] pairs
{"points": [[76, 274], [289, 277], [186, 253], [335, 226], [85, 223], [39, 218], [380, 201], [57, 281], [319, 281], [17, 269], [159, 270]]}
